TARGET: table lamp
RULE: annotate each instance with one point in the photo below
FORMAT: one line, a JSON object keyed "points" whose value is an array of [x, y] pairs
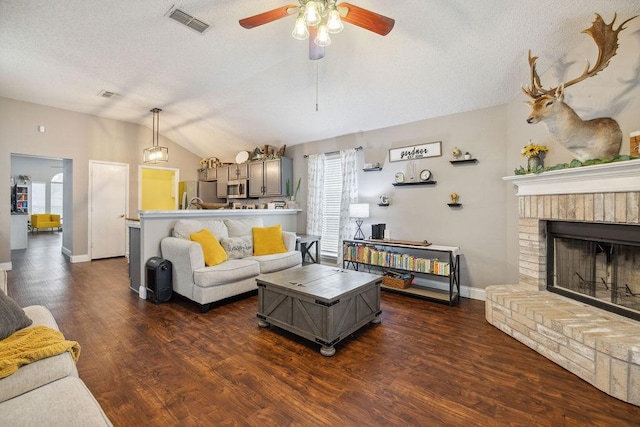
{"points": [[359, 211]]}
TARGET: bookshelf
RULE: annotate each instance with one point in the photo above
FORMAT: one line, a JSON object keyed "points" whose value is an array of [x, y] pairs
{"points": [[439, 264]]}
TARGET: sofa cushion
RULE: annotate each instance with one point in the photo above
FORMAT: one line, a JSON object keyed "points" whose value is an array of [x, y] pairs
{"points": [[277, 262], [12, 317], [242, 227], [43, 371], [66, 402], [184, 227], [238, 247], [268, 240], [229, 271], [213, 252]]}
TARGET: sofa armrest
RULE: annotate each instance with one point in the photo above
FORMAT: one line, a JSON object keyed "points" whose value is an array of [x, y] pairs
{"points": [[289, 239], [186, 257]]}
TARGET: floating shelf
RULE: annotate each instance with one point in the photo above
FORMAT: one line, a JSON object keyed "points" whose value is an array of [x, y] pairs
{"points": [[454, 205], [401, 184], [383, 204], [372, 169], [461, 161]]}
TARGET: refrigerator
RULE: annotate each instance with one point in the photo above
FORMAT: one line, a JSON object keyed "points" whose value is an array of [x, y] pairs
{"points": [[205, 190]]}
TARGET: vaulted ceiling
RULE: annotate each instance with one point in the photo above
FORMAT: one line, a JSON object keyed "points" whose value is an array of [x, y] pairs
{"points": [[231, 89]]}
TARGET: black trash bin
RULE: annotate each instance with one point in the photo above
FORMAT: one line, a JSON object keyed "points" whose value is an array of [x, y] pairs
{"points": [[159, 275]]}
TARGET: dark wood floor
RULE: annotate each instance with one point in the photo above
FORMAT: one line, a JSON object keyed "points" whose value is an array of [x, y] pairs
{"points": [[425, 364]]}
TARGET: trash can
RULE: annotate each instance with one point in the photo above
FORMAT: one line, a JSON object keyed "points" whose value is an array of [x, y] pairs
{"points": [[159, 275]]}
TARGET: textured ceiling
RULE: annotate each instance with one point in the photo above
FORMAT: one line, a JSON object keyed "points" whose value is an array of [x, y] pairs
{"points": [[232, 89]]}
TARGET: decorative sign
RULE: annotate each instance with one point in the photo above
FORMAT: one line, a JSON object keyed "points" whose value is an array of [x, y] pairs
{"points": [[431, 149]]}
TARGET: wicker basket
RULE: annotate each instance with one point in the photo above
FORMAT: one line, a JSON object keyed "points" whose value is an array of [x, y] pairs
{"points": [[392, 282]]}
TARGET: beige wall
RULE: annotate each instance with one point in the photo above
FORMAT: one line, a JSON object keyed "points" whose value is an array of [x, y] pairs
{"points": [[80, 138]]}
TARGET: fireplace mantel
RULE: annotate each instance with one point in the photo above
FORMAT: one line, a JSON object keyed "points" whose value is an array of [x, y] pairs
{"points": [[623, 176]]}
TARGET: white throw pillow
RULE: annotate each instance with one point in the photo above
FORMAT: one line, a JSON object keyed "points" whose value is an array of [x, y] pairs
{"points": [[242, 227], [238, 247]]}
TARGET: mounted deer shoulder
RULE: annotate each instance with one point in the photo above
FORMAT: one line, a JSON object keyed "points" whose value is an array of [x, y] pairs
{"points": [[585, 139]]}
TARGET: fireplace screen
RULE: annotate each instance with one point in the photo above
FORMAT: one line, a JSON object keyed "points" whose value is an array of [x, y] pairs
{"points": [[596, 263]]}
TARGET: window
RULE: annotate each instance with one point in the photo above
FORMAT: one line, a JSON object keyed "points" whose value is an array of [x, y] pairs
{"points": [[56, 194], [38, 197], [332, 190]]}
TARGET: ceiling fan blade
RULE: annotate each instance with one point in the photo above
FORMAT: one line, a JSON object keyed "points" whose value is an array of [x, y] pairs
{"points": [[270, 16], [366, 19], [315, 51]]}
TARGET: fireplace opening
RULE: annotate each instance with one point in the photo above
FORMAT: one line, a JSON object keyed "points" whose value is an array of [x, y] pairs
{"points": [[595, 263]]}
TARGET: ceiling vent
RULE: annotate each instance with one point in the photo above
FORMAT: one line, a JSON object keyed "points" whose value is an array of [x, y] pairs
{"points": [[107, 94], [187, 20]]}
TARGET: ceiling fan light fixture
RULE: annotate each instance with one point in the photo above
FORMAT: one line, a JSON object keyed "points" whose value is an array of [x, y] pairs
{"points": [[322, 39], [300, 31], [312, 13], [334, 23]]}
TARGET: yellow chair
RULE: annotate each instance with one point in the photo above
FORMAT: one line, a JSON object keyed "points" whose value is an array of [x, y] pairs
{"points": [[45, 221]]}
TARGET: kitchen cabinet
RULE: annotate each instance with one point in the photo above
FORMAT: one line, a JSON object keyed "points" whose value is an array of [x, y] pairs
{"points": [[19, 230], [269, 177], [240, 171], [222, 180], [210, 174]]}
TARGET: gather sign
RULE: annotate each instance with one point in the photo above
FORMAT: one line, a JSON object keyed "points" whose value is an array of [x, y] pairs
{"points": [[430, 149]]}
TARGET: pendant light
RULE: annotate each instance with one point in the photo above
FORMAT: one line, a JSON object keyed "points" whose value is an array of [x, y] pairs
{"points": [[155, 153]]}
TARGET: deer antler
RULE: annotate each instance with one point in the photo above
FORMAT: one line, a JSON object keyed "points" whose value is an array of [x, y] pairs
{"points": [[606, 39]]}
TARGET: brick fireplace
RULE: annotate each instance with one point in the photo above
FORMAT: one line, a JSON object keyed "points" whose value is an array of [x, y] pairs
{"points": [[599, 346]]}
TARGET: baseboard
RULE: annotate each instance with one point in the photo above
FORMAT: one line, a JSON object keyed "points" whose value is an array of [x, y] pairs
{"points": [[6, 266], [473, 293], [75, 258]]}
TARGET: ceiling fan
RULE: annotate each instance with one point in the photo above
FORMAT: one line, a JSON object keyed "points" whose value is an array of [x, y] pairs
{"points": [[318, 18]]}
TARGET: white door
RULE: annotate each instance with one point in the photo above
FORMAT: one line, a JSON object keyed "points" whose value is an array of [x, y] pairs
{"points": [[108, 196]]}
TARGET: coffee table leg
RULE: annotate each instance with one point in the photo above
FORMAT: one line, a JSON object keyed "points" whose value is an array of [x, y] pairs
{"points": [[376, 320], [263, 324], [327, 351]]}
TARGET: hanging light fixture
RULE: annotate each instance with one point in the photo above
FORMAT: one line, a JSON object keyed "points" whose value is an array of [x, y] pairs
{"points": [[323, 15], [155, 153]]}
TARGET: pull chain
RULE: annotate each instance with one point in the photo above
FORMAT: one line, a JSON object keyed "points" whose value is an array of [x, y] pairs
{"points": [[317, 72]]}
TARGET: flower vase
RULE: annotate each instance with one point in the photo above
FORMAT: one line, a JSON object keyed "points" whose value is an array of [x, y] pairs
{"points": [[534, 162]]}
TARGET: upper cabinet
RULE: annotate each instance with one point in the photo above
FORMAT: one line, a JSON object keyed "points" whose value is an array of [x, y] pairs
{"points": [[269, 177], [238, 171]]}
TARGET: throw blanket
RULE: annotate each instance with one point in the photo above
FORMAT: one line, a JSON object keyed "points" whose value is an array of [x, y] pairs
{"points": [[31, 344]]}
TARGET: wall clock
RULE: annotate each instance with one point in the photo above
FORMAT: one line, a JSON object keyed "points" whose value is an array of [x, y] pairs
{"points": [[399, 177], [425, 175]]}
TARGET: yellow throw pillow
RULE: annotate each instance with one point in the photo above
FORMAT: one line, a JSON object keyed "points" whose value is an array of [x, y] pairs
{"points": [[268, 240], [213, 252]]}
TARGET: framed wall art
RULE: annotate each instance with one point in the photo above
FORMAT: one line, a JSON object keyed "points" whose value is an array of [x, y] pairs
{"points": [[413, 152]]}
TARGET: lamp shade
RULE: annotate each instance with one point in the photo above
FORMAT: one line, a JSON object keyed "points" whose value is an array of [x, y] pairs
{"points": [[359, 210]]}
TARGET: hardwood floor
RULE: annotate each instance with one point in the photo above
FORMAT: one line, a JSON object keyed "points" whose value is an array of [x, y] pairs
{"points": [[425, 364]]}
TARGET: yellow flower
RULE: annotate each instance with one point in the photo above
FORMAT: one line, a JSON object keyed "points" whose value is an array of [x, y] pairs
{"points": [[533, 150]]}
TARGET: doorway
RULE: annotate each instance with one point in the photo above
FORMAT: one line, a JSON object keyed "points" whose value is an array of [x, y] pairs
{"points": [[158, 188]]}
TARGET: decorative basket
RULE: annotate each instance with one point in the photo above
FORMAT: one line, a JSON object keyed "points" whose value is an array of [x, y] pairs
{"points": [[393, 282]]}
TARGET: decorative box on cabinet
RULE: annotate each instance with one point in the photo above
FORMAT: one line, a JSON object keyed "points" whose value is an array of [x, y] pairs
{"points": [[438, 263], [269, 177]]}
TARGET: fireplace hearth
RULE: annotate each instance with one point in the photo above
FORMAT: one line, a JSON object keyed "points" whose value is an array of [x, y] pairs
{"points": [[595, 263]]}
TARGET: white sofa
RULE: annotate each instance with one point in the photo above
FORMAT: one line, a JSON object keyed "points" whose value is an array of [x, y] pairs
{"points": [[47, 392], [205, 285]]}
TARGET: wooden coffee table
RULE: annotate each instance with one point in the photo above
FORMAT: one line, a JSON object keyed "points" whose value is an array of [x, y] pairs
{"points": [[320, 303]]}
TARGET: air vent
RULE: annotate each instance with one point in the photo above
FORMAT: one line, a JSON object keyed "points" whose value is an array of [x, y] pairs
{"points": [[107, 94], [187, 20]]}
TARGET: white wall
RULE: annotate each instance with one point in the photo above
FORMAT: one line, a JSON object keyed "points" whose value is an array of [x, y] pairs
{"points": [[78, 138]]}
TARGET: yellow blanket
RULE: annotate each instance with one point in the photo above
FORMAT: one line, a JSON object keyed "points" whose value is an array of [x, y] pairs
{"points": [[31, 344]]}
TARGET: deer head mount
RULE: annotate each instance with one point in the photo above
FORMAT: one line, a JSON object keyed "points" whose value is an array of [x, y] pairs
{"points": [[585, 139]]}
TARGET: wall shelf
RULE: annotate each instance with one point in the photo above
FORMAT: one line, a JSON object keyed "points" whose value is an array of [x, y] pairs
{"points": [[454, 205], [463, 161], [383, 204], [372, 169], [401, 184]]}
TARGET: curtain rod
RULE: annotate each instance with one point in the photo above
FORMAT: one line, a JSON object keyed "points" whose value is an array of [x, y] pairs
{"points": [[334, 152]]}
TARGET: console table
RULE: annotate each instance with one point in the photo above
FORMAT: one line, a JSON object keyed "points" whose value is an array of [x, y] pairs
{"points": [[438, 264]]}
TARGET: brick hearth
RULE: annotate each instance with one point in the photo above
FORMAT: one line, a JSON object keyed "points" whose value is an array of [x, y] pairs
{"points": [[598, 346]]}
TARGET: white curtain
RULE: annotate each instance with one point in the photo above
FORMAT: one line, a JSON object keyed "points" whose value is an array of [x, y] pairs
{"points": [[349, 195], [315, 193]]}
